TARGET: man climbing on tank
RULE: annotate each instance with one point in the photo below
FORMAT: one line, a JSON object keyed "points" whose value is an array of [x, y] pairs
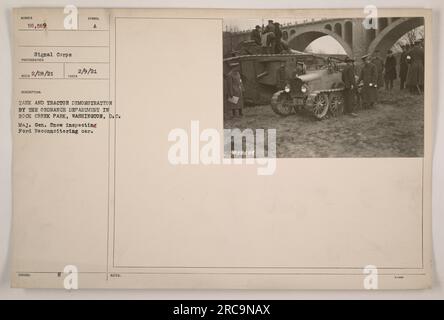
{"points": [[278, 38], [269, 37], [256, 35]]}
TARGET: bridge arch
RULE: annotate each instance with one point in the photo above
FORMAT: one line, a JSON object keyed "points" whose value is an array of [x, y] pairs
{"points": [[393, 32], [338, 29], [300, 40]]}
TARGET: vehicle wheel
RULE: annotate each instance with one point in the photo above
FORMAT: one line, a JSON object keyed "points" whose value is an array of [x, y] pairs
{"points": [[336, 105], [281, 104], [320, 106]]}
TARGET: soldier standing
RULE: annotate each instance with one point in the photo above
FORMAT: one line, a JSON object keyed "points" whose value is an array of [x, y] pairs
{"points": [[270, 27], [348, 77], [369, 77], [379, 63], [415, 75], [270, 37], [403, 67], [278, 38], [390, 70], [235, 90]]}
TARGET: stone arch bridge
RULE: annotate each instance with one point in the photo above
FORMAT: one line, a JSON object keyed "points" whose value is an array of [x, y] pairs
{"points": [[351, 34]]}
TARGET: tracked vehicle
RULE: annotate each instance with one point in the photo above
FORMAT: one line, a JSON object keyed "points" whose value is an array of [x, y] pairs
{"points": [[291, 82]]}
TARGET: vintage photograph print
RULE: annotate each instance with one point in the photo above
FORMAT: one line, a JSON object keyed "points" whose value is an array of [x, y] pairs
{"points": [[348, 87]]}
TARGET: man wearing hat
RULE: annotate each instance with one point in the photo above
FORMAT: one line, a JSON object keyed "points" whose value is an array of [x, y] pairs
{"points": [[235, 99], [278, 38], [270, 37], [270, 27], [348, 77], [369, 77], [403, 67], [256, 35], [415, 75]]}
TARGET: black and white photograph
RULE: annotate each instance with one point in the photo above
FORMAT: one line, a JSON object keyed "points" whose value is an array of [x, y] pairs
{"points": [[339, 88], [240, 151]]}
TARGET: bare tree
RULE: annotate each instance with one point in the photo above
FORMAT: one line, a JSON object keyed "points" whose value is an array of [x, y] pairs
{"points": [[409, 38]]}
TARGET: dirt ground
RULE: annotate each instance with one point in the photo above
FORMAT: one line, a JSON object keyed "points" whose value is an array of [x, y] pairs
{"points": [[393, 128]]}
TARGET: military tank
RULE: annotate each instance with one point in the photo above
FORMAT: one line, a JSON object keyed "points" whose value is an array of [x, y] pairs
{"points": [[290, 82]]}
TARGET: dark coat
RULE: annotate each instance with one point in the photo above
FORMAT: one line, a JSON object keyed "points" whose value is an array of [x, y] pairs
{"points": [[380, 69], [348, 76], [403, 65], [390, 68], [415, 74], [369, 76], [349, 80], [270, 28], [256, 36], [235, 89]]}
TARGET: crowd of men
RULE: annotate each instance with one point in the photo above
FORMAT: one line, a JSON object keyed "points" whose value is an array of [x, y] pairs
{"points": [[376, 73], [269, 37]]}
